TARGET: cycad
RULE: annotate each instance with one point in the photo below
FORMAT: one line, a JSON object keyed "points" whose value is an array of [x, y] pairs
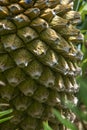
{"points": [[39, 59]]}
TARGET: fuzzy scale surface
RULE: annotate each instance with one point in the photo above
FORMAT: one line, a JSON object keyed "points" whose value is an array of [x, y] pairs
{"points": [[38, 61]]}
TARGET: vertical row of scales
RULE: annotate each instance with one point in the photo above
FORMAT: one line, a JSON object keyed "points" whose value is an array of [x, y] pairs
{"points": [[38, 61]]}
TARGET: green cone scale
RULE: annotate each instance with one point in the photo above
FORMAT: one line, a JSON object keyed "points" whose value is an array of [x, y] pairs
{"points": [[38, 61]]}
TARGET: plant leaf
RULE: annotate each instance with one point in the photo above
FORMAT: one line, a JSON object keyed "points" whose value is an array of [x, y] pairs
{"points": [[64, 121], [46, 126], [5, 119], [6, 112]]}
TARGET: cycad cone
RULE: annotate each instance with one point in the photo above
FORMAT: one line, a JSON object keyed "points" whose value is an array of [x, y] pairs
{"points": [[38, 61]]}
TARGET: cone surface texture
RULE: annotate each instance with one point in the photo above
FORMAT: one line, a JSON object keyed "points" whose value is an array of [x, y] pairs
{"points": [[39, 59]]}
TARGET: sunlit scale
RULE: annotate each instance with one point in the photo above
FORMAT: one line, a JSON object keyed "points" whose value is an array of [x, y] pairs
{"points": [[39, 56]]}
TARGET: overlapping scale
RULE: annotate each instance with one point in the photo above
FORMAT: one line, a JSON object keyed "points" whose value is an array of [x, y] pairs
{"points": [[28, 87], [38, 61], [41, 94], [29, 123], [15, 9], [14, 76], [6, 92], [73, 16], [35, 69], [27, 34], [3, 12], [39, 24], [5, 62], [21, 21], [21, 103], [6, 27], [19, 116], [11, 42], [32, 12], [22, 57]]}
